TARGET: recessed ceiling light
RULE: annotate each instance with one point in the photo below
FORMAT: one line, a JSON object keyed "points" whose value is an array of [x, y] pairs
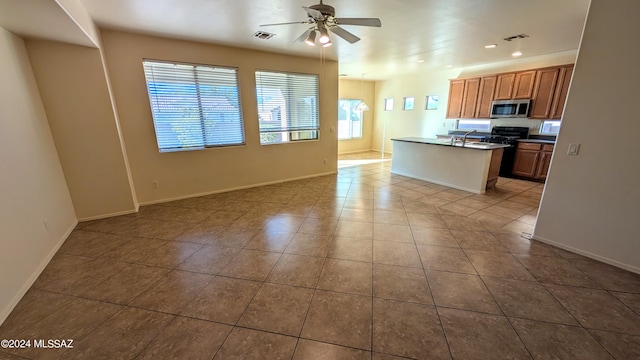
{"points": [[449, 66], [490, 46], [516, 53], [420, 60]]}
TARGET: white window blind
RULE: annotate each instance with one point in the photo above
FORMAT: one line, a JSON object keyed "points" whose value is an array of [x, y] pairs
{"points": [[194, 106], [287, 106]]}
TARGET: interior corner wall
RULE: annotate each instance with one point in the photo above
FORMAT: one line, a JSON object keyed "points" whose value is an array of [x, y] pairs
{"points": [[357, 90], [74, 90], [32, 186], [591, 202], [191, 173]]}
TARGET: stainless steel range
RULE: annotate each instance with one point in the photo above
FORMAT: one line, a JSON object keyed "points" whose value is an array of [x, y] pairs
{"points": [[507, 135]]}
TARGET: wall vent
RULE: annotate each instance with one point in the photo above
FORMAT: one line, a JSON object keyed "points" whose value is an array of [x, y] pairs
{"points": [[263, 35], [514, 37]]}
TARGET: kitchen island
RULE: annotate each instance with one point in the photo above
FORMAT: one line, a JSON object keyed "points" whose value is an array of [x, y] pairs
{"points": [[472, 167]]}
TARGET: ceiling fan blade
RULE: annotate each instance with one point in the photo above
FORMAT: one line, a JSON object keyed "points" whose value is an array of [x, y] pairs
{"points": [[375, 22], [314, 13], [303, 37], [344, 34], [287, 23]]}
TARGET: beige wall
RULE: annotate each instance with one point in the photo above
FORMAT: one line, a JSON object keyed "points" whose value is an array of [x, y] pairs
{"points": [[184, 174], [591, 202], [73, 86], [358, 89], [32, 185]]}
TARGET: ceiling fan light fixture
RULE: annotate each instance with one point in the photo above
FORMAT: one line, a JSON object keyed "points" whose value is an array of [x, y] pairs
{"points": [[324, 34], [311, 39], [327, 44]]}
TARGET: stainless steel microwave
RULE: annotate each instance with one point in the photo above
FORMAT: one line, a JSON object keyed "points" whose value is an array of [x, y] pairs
{"points": [[510, 108]]}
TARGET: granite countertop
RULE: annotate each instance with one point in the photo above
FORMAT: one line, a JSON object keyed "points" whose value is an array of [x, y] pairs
{"points": [[475, 146], [538, 141]]}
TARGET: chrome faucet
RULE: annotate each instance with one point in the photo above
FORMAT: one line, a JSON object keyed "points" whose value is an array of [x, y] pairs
{"points": [[464, 138]]}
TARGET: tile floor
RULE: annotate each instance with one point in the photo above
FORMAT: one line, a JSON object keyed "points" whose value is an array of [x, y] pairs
{"points": [[362, 265]]}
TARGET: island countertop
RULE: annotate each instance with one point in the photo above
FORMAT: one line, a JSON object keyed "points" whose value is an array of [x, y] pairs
{"points": [[468, 145]]}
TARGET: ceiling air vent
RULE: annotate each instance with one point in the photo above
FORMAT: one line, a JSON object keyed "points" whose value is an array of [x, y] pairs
{"points": [[263, 35], [514, 37]]}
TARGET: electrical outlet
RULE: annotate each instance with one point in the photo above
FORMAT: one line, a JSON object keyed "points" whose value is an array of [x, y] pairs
{"points": [[154, 184], [573, 149], [332, 129]]}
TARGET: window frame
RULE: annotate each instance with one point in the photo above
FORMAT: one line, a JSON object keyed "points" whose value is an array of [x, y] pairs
{"points": [[349, 120], [557, 123], [155, 101], [288, 134], [486, 124]]}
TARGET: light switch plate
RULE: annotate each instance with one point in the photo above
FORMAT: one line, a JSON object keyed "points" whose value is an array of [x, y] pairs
{"points": [[573, 149]]}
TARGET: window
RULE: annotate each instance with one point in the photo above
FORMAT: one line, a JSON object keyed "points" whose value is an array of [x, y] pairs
{"points": [[287, 107], [550, 127], [194, 106], [482, 125], [349, 119]]}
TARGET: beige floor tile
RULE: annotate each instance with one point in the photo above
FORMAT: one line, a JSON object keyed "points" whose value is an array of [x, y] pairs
{"points": [[309, 245], [554, 341], [619, 345], [338, 318], [631, 300], [187, 338], [555, 271], [401, 283], [278, 308], [126, 285], [270, 240], [237, 237], [158, 229], [420, 207], [610, 277], [477, 240], [389, 232], [433, 236], [455, 222], [527, 299], [390, 217], [173, 292], [209, 259], [596, 309], [354, 229], [121, 337], [108, 225], [359, 215], [320, 226], [490, 221], [406, 329], [222, 300], [252, 344], [34, 307], [91, 244], [461, 291], [346, 276], [251, 265], [83, 276], [169, 255], [313, 350], [133, 249], [498, 264], [351, 249], [396, 253], [296, 270], [445, 259], [473, 335], [286, 223], [519, 244], [425, 220]]}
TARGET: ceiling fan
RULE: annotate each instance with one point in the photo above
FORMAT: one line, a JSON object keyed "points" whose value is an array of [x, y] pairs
{"points": [[322, 18]]}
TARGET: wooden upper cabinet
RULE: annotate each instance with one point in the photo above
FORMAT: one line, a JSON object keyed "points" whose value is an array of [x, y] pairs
{"points": [[456, 93], [543, 92], [469, 98], [504, 86], [523, 84], [562, 88], [485, 96]]}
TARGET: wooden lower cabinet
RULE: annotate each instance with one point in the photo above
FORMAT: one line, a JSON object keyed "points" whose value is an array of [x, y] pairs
{"points": [[532, 160]]}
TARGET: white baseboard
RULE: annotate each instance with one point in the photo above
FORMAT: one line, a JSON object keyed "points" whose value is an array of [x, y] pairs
{"points": [[104, 216], [588, 254], [27, 285], [357, 151], [236, 188]]}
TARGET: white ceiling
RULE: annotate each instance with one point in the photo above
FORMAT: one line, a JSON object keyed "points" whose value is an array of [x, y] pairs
{"points": [[440, 32]]}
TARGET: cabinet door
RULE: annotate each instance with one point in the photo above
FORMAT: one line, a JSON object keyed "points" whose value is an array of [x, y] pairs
{"points": [[504, 86], [523, 85], [543, 165], [456, 92], [543, 93], [469, 98], [562, 88], [485, 97], [526, 163]]}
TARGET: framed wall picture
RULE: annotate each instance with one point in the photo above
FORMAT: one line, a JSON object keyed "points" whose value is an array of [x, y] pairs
{"points": [[388, 104], [432, 102], [408, 103]]}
